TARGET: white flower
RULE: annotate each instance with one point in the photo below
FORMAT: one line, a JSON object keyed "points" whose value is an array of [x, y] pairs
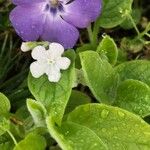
{"points": [[49, 62]]}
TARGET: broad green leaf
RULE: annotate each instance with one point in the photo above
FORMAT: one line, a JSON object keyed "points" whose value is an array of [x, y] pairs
{"points": [[31, 142], [54, 96], [77, 98], [4, 104], [99, 76], [137, 70], [114, 12], [117, 128], [72, 136], [108, 47], [38, 112], [134, 96]]}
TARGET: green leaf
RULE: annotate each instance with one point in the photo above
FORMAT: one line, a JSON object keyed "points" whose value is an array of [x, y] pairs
{"points": [[31, 142], [134, 96], [117, 128], [122, 56], [137, 70], [6, 146], [99, 76], [136, 15], [54, 96], [72, 136], [114, 12], [4, 125], [108, 47], [77, 98], [83, 48], [133, 45], [38, 112], [4, 105]]}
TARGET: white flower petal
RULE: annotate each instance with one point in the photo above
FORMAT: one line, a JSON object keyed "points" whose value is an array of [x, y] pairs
{"points": [[54, 78], [39, 53], [55, 50], [53, 73], [63, 63], [25, 47], [37, 69]]}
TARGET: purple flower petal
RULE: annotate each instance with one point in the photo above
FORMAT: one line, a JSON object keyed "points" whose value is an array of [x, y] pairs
{"points": [[81, 12], [28, 21], [20, 2], [57, 30]]}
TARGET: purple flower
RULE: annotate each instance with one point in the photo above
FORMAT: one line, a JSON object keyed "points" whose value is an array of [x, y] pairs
{"points": [[53, 20]]}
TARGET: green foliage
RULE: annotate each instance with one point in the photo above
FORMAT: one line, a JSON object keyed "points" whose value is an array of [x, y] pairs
{"points": [[116, 128], [72, 136], [77, 98], [99, 76], [4, 105], [136, 15], [133, 45], [134, 96], [108, 48], [31, 142], [114, 12], [137, 70], [37, 111], [43, 115]]}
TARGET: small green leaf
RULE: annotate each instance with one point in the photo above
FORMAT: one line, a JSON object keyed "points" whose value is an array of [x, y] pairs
{"points": [[133, 45], [137, 70], [72, 136], [4, 104], [54, 96], [117, 128], [31, 142], [114, 12], [38, 112], [77, 98], [108, 47], [134, 96], [99, 76]]}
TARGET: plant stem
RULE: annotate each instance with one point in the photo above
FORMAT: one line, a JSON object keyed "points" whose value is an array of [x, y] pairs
{"points": [[89, 29], [13, 138], [95, 32], [134, 24]]}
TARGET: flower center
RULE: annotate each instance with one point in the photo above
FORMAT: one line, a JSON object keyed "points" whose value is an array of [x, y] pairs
{"points": [[54, 6], [54, 3], [50, 61]]}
